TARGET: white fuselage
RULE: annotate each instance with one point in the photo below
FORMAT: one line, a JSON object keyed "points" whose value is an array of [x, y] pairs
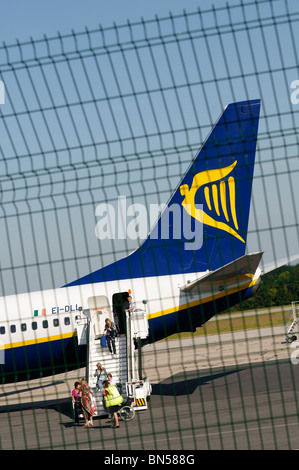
{"points": [[54, 311]]}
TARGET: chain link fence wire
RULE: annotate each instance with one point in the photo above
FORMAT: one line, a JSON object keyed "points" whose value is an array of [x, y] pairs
{"points": [[119, 112]]}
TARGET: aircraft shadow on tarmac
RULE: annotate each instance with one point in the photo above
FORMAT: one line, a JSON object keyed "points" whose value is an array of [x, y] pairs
{"points": [[38, 401], [29, 389], [63, 406], [181, 385]]}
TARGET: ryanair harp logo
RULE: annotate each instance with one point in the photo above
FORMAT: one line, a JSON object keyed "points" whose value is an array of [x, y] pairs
{"points": [[210, 176]]}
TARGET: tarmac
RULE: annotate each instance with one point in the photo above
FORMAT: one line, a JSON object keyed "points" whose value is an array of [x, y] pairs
{"points": [[165, 358], [225, 391]]}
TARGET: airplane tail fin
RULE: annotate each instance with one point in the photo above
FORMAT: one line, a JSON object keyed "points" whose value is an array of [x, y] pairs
{"points": [[204, 225]]}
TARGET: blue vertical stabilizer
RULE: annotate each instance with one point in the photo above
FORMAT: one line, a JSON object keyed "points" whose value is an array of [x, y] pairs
{"points": [[204, 225]]}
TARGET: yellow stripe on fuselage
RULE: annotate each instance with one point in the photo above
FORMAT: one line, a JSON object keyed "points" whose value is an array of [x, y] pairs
{"points": [[38, 340]]}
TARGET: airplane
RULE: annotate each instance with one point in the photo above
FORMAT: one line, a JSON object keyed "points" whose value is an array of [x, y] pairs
{"points": [[181, 281]]}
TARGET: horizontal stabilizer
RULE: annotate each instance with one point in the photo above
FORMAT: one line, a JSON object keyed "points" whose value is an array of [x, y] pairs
{"points": [[234, 273]]}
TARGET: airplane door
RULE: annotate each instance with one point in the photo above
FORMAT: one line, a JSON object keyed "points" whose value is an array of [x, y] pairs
{"points": [[119, 302], [99, 308]]}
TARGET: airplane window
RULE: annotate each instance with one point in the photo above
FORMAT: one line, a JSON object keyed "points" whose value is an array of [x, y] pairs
{"points": [[56, 322], [34, 325], [23, 327], [45, 324], [12, 328], [67, 321], [2, 330]]}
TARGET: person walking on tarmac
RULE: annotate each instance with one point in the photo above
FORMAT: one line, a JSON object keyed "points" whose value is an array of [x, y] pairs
{"points": [[112, 399], [76, 398], [86, 402]]}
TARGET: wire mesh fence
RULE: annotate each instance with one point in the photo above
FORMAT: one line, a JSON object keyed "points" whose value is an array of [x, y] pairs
{"points": [[111, 118]]}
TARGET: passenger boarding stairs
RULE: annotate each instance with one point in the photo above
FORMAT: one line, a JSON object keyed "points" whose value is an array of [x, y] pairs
{"points": [[124, 364], [114, 364], [292, 322]]}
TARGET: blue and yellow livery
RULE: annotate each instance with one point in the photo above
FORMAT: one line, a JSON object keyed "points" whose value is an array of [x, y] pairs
{"points": [[181, 281]]}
